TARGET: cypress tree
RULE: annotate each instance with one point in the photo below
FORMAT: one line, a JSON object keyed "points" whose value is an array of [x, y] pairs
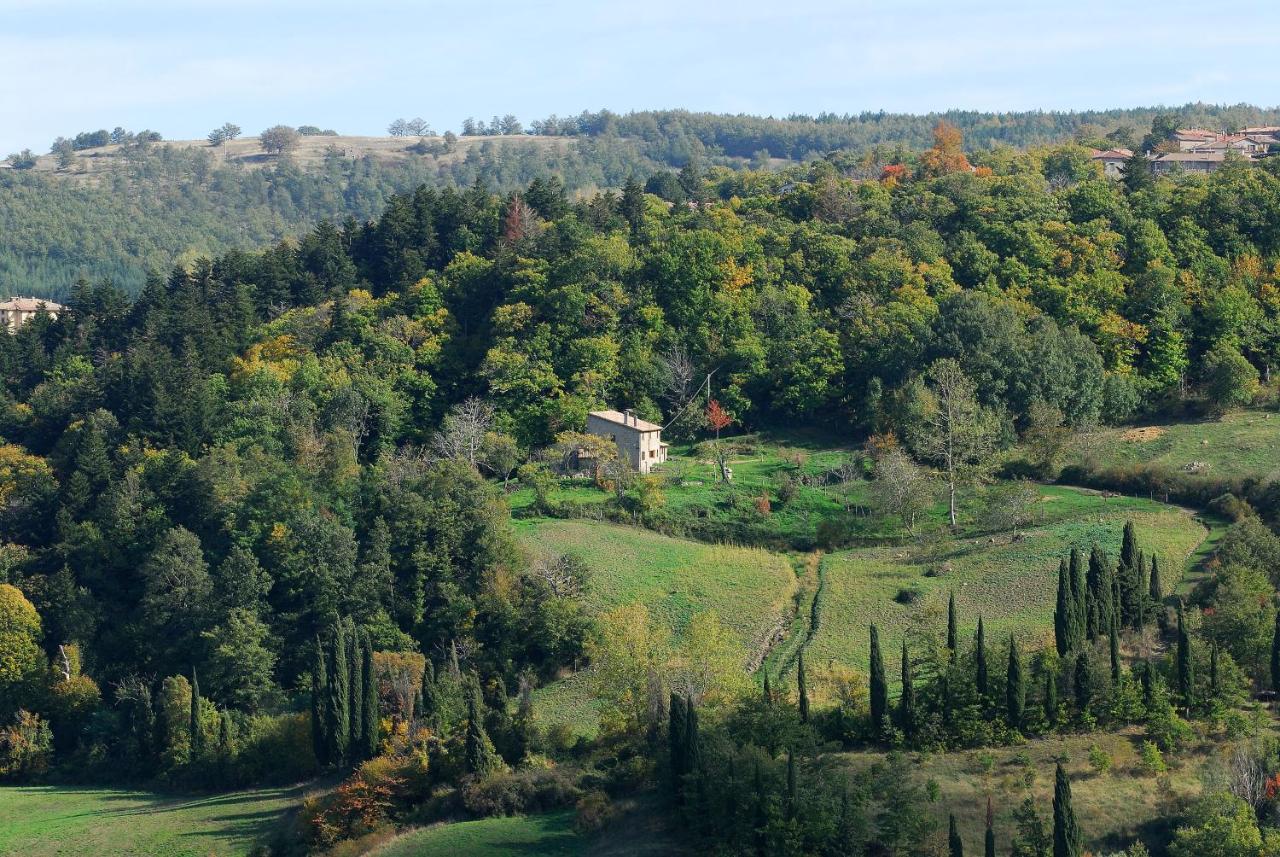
{"points": [[955, 848], [1213, 671], [1113, 639], [355, 692], [792, 796], [481, 758], [224, 745], [692, 740], [1062, 618], [430, 697], [1015, 686], [1142, 610], [768, 691], [196, 733], [1080, 597], [761, 821], [1066, 833], [990, 849], [1084, 683], [319, 691], [801, 689], [951, 626], [370, 720], [678, 722], [1275, 655], [980, 660], [1050, 698], [1186, 676], [1148, 686], [1126, 574], [1155, 591], [1099, 596], [337, 715], [907, 704], [879, 687]]}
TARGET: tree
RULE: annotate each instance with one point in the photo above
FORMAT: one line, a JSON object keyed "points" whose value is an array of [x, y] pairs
{"points": [[1050, 698], [989, 843], [1015, 686], [196, 729], [1099, 591], [1079, 597], [951, 626], [955, 847], [1067, 841], [879, 687], [678, 723], [463, 431], [1063, 625], [1156, 587], [398, 128], [946, 155], [355, 691], [1275, 655], [319, 698], [1230, 380], [338, 698], [801, 690], [24, 160], [480, 757], [1127, 571], [370, 717], [1186, 678], [907, 702], [279, 139], [240, 661], [719, 419], [417, 127], [901, 488], [1113, 645], [981, 682], [20, 655], [949, 427], [1083, 683]]}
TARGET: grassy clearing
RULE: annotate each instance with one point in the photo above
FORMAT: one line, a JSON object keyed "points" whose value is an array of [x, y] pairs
{"points": [[43, 821], [1113, 808], [1243, 443], [1011, 583], [551, 834]]}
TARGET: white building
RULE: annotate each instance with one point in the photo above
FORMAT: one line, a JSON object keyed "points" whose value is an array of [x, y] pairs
{"points": [[639, 440], [16, 312]]}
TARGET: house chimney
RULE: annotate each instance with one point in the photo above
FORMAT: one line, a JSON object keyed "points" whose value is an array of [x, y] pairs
{"points": [[628, 418]]}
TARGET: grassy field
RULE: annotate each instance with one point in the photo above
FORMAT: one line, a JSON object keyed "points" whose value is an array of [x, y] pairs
{"points": [[1113, 808], [45, 821], [1012, 583], [552, 835], [1243, 443]]}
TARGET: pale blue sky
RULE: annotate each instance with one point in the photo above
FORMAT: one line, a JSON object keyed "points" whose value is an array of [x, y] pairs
{"points": [[184, 66]]}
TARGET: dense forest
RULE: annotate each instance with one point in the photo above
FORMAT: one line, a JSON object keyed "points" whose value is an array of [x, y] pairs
{"points": [[228, 503], [158, 205]]}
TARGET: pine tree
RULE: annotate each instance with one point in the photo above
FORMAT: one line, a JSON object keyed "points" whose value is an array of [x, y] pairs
{"points": [[319, 692], [951, 627], [1275, 655], [1084, 683], [1141, 586], [879, 687], [1113, 639], [337, 715], [196, 732], [907, 704], [955, 848], [980, 660], [481, 758], [1186, 676], [355, 692], [1066, 833], [801, 689], [1050, 698], [370, 718], [1080, 598], [1015, 686], [990, 844], [1063, 625]]}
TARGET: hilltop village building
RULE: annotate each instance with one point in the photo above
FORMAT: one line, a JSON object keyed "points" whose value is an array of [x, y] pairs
{"points": [[1199, 151], [15, 312], [640, 441]]}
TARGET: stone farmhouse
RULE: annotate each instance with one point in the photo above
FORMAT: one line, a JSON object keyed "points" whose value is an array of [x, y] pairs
{"points": [[638, 440], [1199, 151], [15, 312]]}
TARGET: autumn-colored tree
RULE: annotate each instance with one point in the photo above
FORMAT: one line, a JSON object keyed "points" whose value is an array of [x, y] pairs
{"points": [[719, 419], [946, 155]]}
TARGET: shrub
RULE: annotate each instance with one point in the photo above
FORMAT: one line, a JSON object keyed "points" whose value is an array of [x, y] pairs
{"points": [[276, 749], [908, 595], [529, 790], [25, 747], [595, 810], [1099, 759], [1152, 760]]}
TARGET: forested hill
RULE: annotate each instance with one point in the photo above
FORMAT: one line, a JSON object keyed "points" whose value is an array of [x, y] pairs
{"points": [[114, 212]]}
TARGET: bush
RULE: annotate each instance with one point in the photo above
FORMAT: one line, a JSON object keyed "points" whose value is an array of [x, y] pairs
{"points": [[25, 747], [908, 595], [1099, 759], [276, 749], [528, 790], [595, 810], [1152, 760]]}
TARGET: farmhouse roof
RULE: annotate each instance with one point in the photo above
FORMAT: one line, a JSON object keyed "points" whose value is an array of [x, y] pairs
{"points": [[1193, 157], [1111, 154], [631, 421], [28, 305]]}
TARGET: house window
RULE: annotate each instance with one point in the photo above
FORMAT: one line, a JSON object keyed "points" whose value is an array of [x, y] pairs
{"points": [[653, 453]]}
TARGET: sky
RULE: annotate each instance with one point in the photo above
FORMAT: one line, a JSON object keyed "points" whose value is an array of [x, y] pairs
{"points": [[183, 67]]}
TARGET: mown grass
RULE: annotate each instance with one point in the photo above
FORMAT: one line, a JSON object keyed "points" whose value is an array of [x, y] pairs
{"points": [[43, 821], [1113, 809], [513, 836], [1242, 443], [1011, 583]]}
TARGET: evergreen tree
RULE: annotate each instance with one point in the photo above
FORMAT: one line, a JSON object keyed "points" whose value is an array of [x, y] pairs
{"points": [[1148, 686], [793, 798], [1156, 589], [1275, 655], [951, 626], [430, 697], [692, 740], [1084, 683], [337, 715], [879, 687], [225, 750], [1098, 618], [1213, 671], [355, 692], [1186, 675], [955, 847], [801, 689], [1126, 575], [768, 690], [1080, 598], [1063, 624], [1015, 686], [196, 732], [1050, 698], [1142, 607], [370, 718], [319, 692], [990, 842], [980, 660], [1113, 639], [678, 722], [481, 758], [1066, 833], [907, 704]]}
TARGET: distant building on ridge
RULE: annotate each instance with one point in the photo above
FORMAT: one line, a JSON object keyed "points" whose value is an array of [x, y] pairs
{"points": [[15, 312], [640, 441]]}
